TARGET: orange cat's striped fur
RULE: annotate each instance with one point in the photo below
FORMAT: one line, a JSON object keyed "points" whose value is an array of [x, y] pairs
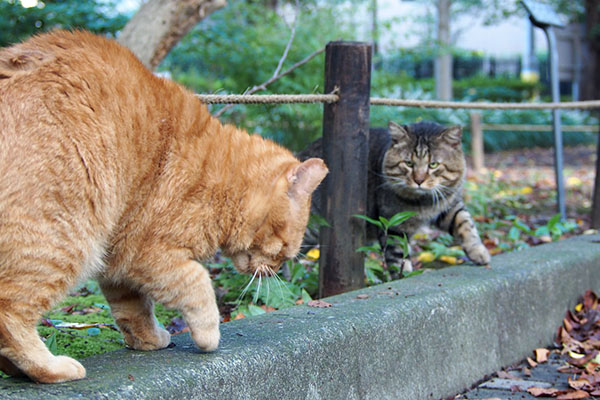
{"points": [[109, 171]]}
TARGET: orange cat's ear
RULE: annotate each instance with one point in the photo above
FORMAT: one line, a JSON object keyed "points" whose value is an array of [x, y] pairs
{"points": [[305, 177], [453, 136], [398, 133]]}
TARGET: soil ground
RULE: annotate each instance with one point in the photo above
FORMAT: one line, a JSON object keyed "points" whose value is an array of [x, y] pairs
{"points": [[535, 167]]}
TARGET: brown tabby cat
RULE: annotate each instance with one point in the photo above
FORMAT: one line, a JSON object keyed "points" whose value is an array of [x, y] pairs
{"points": [[418, 167], [107, 170]]}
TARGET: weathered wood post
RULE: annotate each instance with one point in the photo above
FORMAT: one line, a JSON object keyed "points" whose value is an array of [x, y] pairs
{"points": [[477, 142], [345, 150]]}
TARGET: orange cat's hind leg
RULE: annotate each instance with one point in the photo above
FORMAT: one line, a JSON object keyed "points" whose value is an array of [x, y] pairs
{"points": [[9, 368], [134, 313], [30, 286], [21, 345]]}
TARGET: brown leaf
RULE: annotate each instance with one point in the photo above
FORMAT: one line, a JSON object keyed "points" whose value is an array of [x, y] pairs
{"points": [[268, 308], [537, 391], [130, 377], [579, 383], [590, 300], [531, 363], [526, 372], [299, 301], [567, 325], [362, 296], [318, 304], [541, 355], [239, 316], [68, 309], [568, 369], [573, 395], [515, 389], [507, 375], [580, 362]]}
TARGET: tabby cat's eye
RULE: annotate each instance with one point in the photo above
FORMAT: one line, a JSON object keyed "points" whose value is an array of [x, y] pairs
{"points": [[409, 163], [434, 165]]}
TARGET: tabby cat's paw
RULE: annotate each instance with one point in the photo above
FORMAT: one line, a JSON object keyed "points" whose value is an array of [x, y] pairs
{"points": [[478, 254], [406, 265]]}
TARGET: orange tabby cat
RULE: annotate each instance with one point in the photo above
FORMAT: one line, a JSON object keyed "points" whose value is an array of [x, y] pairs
{"points": [[109, 171]]}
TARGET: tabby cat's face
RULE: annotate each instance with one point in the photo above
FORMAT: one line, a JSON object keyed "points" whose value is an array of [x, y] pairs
{"points": [[424, 157]]}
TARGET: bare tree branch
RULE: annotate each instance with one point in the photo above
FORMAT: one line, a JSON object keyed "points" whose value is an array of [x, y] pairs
{"points": [[276, 75]]}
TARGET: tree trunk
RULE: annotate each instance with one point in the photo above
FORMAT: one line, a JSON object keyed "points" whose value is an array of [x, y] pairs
{"points": [[159, 24], [443, 62]]}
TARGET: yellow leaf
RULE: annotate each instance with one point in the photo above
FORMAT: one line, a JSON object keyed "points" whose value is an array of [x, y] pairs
{"points": [[313, 254], [451, 260], [574, 181], [497, 173], [419, 236], [579, 307], [426, 257], [526, 190], [576, 356]]}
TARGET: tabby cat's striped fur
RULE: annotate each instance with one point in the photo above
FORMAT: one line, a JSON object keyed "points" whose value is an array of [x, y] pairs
{"points": [[421, 168]]}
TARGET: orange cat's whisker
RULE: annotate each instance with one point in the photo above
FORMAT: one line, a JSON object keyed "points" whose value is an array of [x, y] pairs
{"points": [[241, 296]]}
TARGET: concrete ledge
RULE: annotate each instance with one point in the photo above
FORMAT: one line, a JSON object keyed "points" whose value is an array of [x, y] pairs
{"points": [[427, 337]]}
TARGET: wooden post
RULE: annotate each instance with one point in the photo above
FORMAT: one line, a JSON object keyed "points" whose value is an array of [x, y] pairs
{"points": [[477, 142], [345, 150]]}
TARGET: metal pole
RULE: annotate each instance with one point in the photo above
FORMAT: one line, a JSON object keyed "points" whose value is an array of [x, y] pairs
{"points": [[556, 128]]}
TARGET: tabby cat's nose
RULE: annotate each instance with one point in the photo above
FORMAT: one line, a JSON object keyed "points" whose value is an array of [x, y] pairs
{"points": [[419, 179]]}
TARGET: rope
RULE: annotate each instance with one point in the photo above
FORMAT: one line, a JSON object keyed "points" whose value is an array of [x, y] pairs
{"points": [[267, 98], [485, 106], [376, 101], [538, 128]]}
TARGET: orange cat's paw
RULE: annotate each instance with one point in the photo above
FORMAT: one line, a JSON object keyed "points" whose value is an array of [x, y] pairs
{"points": [[207, 339], [155, 340], [60, 369]]}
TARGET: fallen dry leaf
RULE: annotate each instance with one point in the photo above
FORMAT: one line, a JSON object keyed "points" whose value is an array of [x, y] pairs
{"points": [[239, 316], [362, 296], [531, 363], [541, 355], [318, 304], [573, 395], [538, 391], [507, 375]]}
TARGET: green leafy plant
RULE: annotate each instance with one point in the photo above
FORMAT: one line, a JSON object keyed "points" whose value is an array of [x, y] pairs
{"points": [[376, 272]]}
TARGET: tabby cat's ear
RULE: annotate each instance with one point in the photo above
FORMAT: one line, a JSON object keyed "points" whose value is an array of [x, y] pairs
{"points": [[452, 136], [305, 177], [398, 133]]}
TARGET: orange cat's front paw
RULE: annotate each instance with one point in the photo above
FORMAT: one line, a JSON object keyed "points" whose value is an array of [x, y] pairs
{"points": [[207, 339], [60, 369], [148, 340]]}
